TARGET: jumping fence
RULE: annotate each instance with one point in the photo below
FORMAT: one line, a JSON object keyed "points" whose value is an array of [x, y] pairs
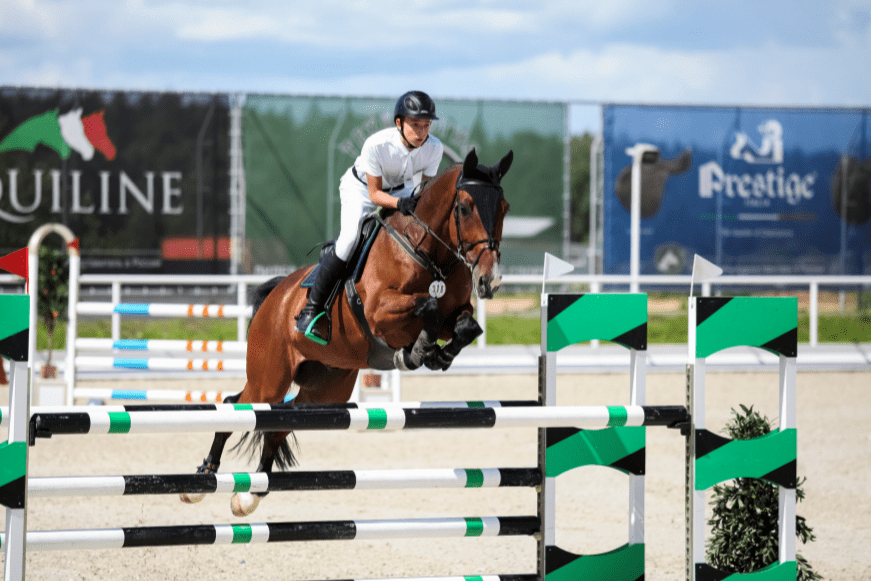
{"points": [[569, 437]]}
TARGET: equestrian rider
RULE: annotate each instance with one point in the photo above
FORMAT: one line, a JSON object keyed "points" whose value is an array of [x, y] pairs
{"points": [[383, 175]]}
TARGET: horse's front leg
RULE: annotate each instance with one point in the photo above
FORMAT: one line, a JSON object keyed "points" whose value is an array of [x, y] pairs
{"points": [[465, 331], [426, 344]]}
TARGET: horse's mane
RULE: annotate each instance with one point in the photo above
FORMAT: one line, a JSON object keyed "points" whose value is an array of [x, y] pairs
{"points": [[440, 176]]}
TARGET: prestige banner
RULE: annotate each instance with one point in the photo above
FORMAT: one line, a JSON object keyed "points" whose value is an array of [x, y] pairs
{"points": [[141, 178], [755, 190]]}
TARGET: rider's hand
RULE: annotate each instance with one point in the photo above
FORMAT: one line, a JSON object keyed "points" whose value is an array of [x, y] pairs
{"points": [[407, 205]]}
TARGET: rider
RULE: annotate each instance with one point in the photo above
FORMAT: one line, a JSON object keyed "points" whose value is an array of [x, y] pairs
{"points": [[382, 176]]}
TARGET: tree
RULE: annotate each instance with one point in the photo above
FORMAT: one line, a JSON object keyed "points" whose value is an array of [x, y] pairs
{"points": [[744, 524], [580, 187], [53, 297]]}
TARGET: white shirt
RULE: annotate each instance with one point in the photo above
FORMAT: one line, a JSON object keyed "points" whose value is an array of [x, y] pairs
{"points": [[385, 155]]}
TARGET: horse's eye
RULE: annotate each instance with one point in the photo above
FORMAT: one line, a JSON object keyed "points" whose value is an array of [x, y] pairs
{"points": [[464, 210]]}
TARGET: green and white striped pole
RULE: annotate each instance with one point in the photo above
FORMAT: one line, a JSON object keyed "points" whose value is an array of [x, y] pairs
{"points": [[243, 418], [163, 536], [52, 487]]}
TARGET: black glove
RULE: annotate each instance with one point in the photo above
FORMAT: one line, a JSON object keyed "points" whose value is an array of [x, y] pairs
{"points": [[407, 205]]}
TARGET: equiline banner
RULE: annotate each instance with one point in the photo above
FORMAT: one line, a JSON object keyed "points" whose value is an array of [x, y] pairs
{"points": [[296, 149], [755, 190], [141, 178]]}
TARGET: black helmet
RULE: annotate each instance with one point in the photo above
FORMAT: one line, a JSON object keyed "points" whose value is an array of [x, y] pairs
{"points": [[415, 104]]}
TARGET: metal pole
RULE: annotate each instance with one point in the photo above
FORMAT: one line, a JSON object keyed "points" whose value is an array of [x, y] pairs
{"points": [[567, 187], [594, 193], [640, 153]]}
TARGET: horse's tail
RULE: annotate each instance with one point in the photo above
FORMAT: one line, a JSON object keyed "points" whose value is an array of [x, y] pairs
{"points": [[258, 295], [253, 442]]}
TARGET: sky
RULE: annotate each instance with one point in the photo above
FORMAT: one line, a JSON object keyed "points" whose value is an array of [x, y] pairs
{"points": [[782, 52]]}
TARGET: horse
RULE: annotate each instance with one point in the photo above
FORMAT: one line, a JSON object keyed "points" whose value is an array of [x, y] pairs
{"points": [[415, 289]]}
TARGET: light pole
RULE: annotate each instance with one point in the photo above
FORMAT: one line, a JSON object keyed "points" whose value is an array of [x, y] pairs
{"points": [[641, 153]]}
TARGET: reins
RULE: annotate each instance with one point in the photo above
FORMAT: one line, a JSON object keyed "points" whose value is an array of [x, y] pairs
{"points": [[462, 247]]}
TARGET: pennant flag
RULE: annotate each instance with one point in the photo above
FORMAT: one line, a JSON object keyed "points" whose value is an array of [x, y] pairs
{"points": [[16, 263], [703, 270], [554, 268]]}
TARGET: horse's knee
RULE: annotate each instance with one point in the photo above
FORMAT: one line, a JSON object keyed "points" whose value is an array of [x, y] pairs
{"points": [[466, 330], [427, 308]]}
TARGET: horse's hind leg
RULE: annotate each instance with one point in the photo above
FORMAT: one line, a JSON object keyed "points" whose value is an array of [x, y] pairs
{"points": [[274, 445], [212, 462], [318, 385]]}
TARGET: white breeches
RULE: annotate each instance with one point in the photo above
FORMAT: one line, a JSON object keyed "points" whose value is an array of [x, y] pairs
{"points": [[355, 205]]}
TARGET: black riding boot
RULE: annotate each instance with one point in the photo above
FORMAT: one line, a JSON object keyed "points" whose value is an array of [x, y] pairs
{"points": [[331, 267]]}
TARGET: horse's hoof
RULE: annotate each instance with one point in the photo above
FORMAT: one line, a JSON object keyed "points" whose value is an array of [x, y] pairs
{"points": [[244, 503], [191, 498]]}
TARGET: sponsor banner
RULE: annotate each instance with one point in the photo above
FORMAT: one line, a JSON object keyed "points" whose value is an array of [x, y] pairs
{"points": [[140, 178], [755, 190], [298, 147]]}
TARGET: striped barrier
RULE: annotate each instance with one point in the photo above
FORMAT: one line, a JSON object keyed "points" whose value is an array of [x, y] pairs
{"points": [[227, 407], [211, 359], [164, 536], [160, 363], [282, 481], [179, 346], [246, 418], [100, 393], [164, 310]]}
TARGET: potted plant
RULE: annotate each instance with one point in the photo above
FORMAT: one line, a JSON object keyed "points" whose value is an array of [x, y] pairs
{"points": [[52, 298]]}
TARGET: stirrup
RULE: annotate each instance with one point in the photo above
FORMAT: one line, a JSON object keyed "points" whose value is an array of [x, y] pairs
{"points": [[311, 331]]}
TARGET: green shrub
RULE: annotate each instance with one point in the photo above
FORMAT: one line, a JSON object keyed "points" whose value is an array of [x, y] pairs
{"points": [[744, 524]]}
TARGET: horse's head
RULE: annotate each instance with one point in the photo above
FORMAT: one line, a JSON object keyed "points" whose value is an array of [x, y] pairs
{"points": [[478, 216]]}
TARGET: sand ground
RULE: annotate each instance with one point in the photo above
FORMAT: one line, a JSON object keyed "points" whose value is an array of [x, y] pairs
{"points": [[834, 415]]}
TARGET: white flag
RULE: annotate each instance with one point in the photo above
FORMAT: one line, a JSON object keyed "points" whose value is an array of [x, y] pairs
{"points": [[703, 270], [553, 268]]}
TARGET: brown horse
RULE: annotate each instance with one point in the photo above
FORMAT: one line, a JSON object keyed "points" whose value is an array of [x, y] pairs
{"points": [[415, 289]]}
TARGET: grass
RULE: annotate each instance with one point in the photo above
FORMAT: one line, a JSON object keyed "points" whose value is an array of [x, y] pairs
{"points": [[501, 329]]}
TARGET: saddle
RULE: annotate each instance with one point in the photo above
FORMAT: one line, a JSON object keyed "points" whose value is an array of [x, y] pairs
{"points": [[380, 353]]}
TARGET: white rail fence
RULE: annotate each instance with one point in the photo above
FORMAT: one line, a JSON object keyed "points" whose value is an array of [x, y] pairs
{"points": [[593, 283]]}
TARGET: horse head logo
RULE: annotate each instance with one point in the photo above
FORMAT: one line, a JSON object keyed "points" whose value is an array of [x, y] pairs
{"points": [[770, 149], [653, 179], [851, 190]]}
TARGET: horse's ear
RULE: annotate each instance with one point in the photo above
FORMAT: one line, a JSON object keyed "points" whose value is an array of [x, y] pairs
{"points": [[505, 163], [470, 165]]}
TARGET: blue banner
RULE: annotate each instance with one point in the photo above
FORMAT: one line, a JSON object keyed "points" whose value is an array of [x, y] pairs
{"points": [[755, 190]]}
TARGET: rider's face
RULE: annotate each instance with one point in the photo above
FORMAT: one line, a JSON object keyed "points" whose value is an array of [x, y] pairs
{"points": [[416, 130]]}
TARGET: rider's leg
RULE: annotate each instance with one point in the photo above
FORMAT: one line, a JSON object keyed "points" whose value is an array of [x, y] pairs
{"points": [[331, 267], [332, 263]]}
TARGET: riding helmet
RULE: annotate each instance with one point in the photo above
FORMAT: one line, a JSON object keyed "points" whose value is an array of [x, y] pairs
{"points": [[416, 104]]}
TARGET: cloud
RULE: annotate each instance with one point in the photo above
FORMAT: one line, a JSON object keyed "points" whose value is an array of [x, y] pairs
{"points": [[555, 50]]}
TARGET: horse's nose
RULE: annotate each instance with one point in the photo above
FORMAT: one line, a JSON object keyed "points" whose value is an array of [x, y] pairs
{"points": [[487, 284]]}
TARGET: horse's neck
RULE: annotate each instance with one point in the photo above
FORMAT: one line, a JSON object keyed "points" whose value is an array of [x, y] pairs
{"points": [[434, 210]]}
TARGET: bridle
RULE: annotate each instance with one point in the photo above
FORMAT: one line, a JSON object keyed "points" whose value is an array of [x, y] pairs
{"points": [[462, 247]]}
